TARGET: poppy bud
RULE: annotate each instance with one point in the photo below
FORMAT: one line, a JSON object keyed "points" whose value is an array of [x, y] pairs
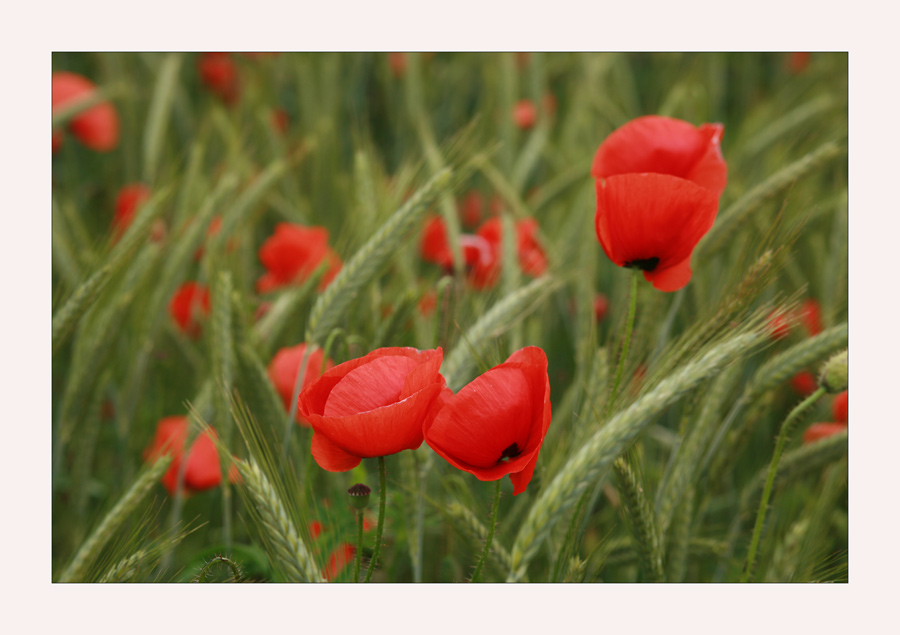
{"points": [[359, 495], [835, 375]]}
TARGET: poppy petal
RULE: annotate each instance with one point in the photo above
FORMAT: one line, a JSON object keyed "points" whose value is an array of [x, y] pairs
{"points": [[645, 216], [653, 144], [671, 279], [370, 386], [710, 171], [202, 470], [330, 457]]}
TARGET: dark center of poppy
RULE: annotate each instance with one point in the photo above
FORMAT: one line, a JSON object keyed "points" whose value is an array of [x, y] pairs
{"points": [[645, 264], [510, 452]]}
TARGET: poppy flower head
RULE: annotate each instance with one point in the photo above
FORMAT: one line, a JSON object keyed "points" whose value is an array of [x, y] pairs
{"points": [[128, 201], [525, 114], [189, 306], [285, 366], [652, 222], [601, 307], [218, 73], [532, 259], [97, 128], [496, 424], [372, 406], [435, 246], [293, 253], [839, 407], [202, 470], [810, 315], [804, 383], [663, 145]]}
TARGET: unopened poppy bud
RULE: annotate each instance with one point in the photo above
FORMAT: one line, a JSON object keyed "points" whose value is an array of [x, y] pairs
{"points": [[835, 374], [359, 495]]}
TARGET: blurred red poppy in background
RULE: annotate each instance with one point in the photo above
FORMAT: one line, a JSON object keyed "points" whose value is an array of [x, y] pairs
{"points": [[496, 424], [839, 407], [470, 208], [219, 73], [398, 64], [819, 431], [525, 114], [285, 366], [97, 127], [189, 306], [601, 306], [804, 383], [202, 470], [532, 259], [128, 201], [372, 406], [658, 183], [798, 62], [293, 253]]}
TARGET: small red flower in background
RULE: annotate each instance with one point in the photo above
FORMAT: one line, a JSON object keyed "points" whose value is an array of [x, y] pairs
{"points": [[434, 245], [293, 253], [658, 183], [601, 306], [804, 383], [339, 558], [97, 128], [525, 114], [372, 406], [189, 306], [532, 259], [819, 431], [479, 255], [281, 120], [427, 303], [798, 62], [219, 73], [398, 64], [839, 407], [202, 470], [128, 201], [523, 58], [285, 366], [470, 209], [496, 424], [809, 314]]}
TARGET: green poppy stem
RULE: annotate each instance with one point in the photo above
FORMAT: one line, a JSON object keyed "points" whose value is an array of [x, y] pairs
{"points": [[382, 481], [786, 429], [629, 327], [359, 545], [490, 536]]}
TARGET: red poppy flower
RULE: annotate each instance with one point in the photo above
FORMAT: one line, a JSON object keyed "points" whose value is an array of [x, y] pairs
{"points": [[532, 259], [219, 73], [97, 127], [398, 64], [434, 245], [285, 366], [281, 120], [372, 406], [810, 315], [470, 208], [804, 383], [189, 305], [202, 470], [779, 325], [128, 201], [479, 255], [496, 424], [822, 431], [798, 62], [339, 558], [293, 253], [601, 306], [525, 114], [839, 407], [658, 187]]}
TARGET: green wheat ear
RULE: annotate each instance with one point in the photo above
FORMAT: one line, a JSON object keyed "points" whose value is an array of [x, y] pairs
{"points": [[588, 462], [331, 306], [505, 313]]}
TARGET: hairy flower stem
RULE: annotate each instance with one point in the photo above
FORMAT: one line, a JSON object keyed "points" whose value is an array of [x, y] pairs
{"points": [[786, 429], [359, 545], [382, 482], [490, 536], [629, 326]]}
